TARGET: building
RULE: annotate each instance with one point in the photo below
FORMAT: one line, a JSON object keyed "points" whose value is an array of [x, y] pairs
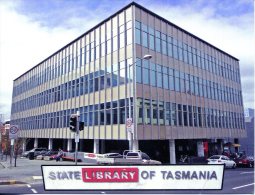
{"points": [[247, 144], [187, 97]]}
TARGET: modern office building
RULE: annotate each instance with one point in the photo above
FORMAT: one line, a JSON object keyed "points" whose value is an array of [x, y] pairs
{"points": [[185, 99]]}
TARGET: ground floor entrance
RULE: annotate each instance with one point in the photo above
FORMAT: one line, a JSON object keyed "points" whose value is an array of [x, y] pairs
{"points": [[166, 151]]}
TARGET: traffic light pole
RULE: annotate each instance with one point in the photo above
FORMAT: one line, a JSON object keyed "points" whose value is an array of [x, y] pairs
{"points": [[77, 136]]}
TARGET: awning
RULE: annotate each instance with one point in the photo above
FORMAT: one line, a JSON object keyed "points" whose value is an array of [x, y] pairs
{"points": [[236, 145]]}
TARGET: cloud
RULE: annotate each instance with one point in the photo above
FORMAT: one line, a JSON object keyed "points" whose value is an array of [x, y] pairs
{"points": [[232, 32], [30, 32]]}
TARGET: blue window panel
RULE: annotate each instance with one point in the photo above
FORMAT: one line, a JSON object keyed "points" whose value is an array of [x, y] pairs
{"points": [[159, 79], [144, 39], [151, 42], [153, 78], [138, 74], [137, 36], [146, 76], [158, 45]]}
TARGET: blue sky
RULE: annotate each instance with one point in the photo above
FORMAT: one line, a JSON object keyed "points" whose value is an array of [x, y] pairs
{"points": [[34, 29]]}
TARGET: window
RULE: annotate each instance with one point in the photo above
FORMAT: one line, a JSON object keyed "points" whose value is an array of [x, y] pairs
{"points": [[190, 116], [179, 114], [185, 115], [159, 76], [177, 80], [154, 112], [147, 111], [161, 112], [137, 36], [153, 75], [173, 114], [144, 39]]}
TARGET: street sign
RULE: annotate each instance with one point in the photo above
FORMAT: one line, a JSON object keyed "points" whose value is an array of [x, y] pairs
{"points": [[130, 125], [13, 133]]}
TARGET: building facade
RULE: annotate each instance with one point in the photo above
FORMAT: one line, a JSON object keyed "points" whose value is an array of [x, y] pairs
{"points": [[185, 100]]}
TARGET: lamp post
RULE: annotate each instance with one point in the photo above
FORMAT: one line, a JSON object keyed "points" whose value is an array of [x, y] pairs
{"points": [[130, 121]]}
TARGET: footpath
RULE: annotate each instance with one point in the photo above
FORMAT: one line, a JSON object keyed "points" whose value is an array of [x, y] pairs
{"points": [[26, 171]]}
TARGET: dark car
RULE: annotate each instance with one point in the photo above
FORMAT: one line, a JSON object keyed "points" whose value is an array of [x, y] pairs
{"points": [[35, 152], [245, 161]]}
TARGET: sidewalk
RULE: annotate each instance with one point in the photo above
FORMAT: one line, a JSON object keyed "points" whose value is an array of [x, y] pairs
{"points": [[26, 171]]}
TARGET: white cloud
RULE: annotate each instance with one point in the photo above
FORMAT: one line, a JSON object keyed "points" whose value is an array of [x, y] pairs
{"points": [[232, 34], [24, 42]]}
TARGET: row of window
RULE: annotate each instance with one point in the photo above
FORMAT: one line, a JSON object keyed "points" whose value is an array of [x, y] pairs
{"points": [[164, 77], [168, 113], [108, 113], [149, 112], [155, 40], [99, 80], [82, 57]]}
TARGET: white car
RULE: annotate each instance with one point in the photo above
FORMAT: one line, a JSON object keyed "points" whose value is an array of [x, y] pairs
{"points": [[221, 159]]}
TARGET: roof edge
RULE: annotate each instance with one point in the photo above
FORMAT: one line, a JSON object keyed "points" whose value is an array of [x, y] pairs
{"points": [[125, 7]]}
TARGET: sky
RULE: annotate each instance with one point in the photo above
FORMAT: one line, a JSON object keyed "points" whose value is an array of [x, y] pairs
{"points": [[32, 30]]}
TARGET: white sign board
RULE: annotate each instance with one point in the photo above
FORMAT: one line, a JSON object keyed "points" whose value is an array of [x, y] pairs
{"points": [[134, 177], [130, 125], [13, 133]]}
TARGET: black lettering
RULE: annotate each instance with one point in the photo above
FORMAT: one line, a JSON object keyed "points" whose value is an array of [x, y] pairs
{"points": [[70, 174], [64, 175], [163, 174], [145, 175], [194, 175], [169, 175], [52, 175], [186, 175], [77, 175], [213, 175], [178, 175], [202, 174]]}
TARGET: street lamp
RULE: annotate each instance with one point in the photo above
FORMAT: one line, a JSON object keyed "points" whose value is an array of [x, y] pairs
{"points": [[131, 120]]}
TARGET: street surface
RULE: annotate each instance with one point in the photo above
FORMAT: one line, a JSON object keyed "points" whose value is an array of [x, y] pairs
{"points": [[236, 181]]}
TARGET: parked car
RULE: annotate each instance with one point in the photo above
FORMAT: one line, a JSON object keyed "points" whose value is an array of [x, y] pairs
{"points": [[245, 161], [36, 152], [221, 159], [43, 154]]}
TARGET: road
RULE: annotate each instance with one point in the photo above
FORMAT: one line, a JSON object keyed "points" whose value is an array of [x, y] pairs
{"points": [[236, 181]]}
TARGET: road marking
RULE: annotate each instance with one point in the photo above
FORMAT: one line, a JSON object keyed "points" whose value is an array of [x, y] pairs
{"points": [[243, 186], [28, 185], [247, 172], [33, 190], [37, 177]]}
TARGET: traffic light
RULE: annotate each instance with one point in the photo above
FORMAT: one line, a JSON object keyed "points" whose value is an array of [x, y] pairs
{"points": [[73, 122], [81, 126]]}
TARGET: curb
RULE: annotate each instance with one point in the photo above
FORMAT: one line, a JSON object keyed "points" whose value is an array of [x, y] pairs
{"points": [[11, 182], [15, 181]]}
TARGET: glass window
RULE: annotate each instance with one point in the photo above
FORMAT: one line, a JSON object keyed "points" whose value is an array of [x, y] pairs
{"points": [[129, 36], [159, 76], [144, 39], [147, 111], [161, 112], [122, 40], [158, 45], [173, 114], [185, 115], [138, 74], [151, 42], [146, 76], [190, 116], [179, 114], [168, 113], [154, 112], [137, 36]]}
